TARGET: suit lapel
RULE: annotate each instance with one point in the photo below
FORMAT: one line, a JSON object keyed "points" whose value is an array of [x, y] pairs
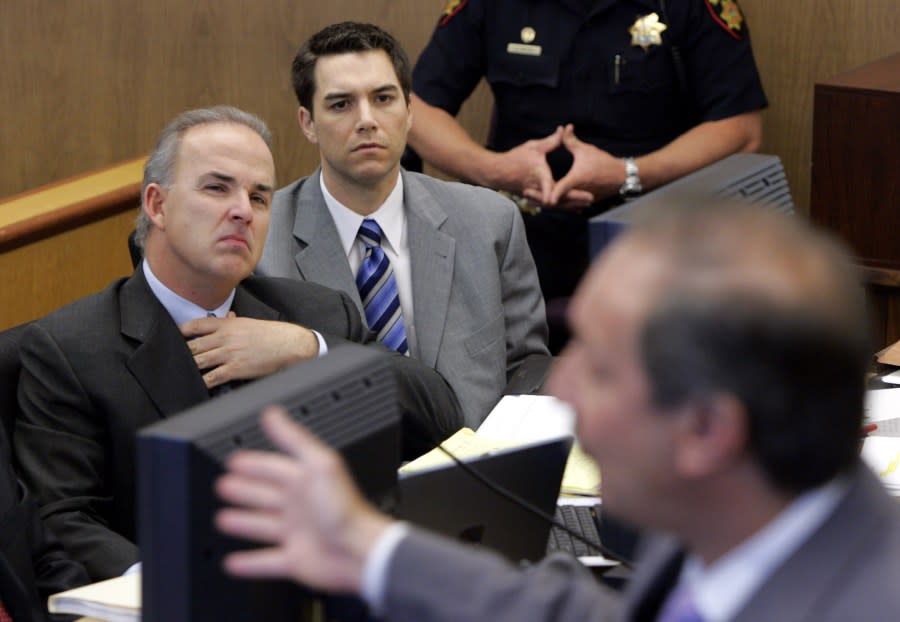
{"points": [[161, 362], [657, 571], [802, 587], [321, 258], [431, 259], [246, 304]]}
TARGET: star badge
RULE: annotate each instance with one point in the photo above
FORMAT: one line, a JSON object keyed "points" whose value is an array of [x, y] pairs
{"points": [[727, 14], [646, 31]]}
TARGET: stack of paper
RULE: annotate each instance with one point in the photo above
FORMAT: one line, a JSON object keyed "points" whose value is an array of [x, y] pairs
{"points": [[528, 418], [881, 448], [883, 409], [113, 600], [517, 420], [882, 454], [464, 444]]}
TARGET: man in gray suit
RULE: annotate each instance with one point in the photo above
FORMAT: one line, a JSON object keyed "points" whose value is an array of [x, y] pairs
{"points": [[717, 376], [463, 288], [96, 371]]}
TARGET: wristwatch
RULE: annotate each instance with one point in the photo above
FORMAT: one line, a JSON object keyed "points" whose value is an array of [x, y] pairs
{"points": [[632, 186]]}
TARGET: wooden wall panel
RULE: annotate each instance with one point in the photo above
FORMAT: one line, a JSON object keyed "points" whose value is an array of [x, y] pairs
{"points": [[41, 276], [87, 83], [799, 43]]}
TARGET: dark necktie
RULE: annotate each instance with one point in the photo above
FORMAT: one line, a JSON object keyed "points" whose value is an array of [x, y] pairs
{"points": [[378, 290], [222, 388]]}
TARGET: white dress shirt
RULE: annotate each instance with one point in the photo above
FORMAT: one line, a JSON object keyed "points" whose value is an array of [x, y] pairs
{"points": [[391, 217], [183, 310]]}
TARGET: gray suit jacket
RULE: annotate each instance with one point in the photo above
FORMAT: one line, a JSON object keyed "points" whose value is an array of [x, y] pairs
{"points": [[849, 569], [478, 305], [96, 371]]}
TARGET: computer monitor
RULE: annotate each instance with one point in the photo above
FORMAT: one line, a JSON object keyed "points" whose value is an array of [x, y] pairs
{"points": [[753, 178], [347, 398], [450, 500]]}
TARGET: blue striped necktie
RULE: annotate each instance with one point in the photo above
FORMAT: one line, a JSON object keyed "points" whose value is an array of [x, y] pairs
{"points": [[378, 290]]}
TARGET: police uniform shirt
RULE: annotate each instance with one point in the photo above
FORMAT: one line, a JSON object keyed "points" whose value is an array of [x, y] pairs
{"points": [[551, 62]]}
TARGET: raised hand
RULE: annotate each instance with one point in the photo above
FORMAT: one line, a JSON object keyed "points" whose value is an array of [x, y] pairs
{"points": [[304, 505], [240, 348]]}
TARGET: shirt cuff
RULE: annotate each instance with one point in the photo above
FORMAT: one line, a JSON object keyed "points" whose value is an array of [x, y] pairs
{"points": [[135, 567], [375, 571], [323, 347]]}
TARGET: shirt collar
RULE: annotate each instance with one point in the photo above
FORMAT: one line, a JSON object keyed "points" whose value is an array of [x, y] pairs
{"points": [[721, 589], [389, 216], [181, 309]]}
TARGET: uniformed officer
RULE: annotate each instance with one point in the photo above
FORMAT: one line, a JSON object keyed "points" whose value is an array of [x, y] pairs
{"points": [[594, 100]]}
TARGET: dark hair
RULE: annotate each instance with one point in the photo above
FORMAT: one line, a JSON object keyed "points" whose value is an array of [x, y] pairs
{"points": [[160, 166], [344, 38], [795, 361]]}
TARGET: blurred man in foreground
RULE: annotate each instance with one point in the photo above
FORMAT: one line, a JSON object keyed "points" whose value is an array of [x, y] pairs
{"points": [[717, 375]]}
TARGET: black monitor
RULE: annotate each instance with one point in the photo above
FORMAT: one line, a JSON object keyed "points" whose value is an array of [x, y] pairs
{"points": [[347, 398], [450, 500]]}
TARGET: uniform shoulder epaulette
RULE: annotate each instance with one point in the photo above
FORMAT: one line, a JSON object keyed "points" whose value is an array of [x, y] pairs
{"points": [[727, 14]]}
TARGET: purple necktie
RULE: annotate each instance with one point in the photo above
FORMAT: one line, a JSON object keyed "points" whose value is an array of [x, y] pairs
{"points": [[679, 607]]}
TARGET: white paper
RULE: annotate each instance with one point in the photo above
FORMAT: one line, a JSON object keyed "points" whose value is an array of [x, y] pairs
{"points": [[527, 418], [892, 378], [882, 404], [882, 454]]}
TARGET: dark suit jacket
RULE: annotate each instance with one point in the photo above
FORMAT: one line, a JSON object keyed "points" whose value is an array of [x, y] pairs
{"points": [[98, 370], [849, 569], [33, 565]]}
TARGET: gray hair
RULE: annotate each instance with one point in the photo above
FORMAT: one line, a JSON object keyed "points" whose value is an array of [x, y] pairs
{"points": [[160, 165]]}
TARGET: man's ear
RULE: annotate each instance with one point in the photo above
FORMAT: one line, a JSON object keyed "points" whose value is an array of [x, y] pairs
{"points": [[712, 432], [153, 204], [307, 125]]}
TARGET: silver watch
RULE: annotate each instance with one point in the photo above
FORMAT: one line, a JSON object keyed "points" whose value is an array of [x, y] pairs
{"points": [[632, 186]]}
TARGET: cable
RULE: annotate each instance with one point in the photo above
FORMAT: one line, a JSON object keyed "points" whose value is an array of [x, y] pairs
{"points": [[510, 496]]}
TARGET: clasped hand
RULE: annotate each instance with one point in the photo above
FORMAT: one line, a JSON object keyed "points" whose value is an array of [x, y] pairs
{"points": [[594, 175]]}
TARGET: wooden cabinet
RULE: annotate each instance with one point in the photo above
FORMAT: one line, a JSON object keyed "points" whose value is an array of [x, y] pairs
{"points": [[856, 176]]}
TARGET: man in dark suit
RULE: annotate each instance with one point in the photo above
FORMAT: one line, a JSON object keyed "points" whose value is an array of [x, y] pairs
{"points": [[717, 377], [467, 289], [96, 371], [33, 565]]}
